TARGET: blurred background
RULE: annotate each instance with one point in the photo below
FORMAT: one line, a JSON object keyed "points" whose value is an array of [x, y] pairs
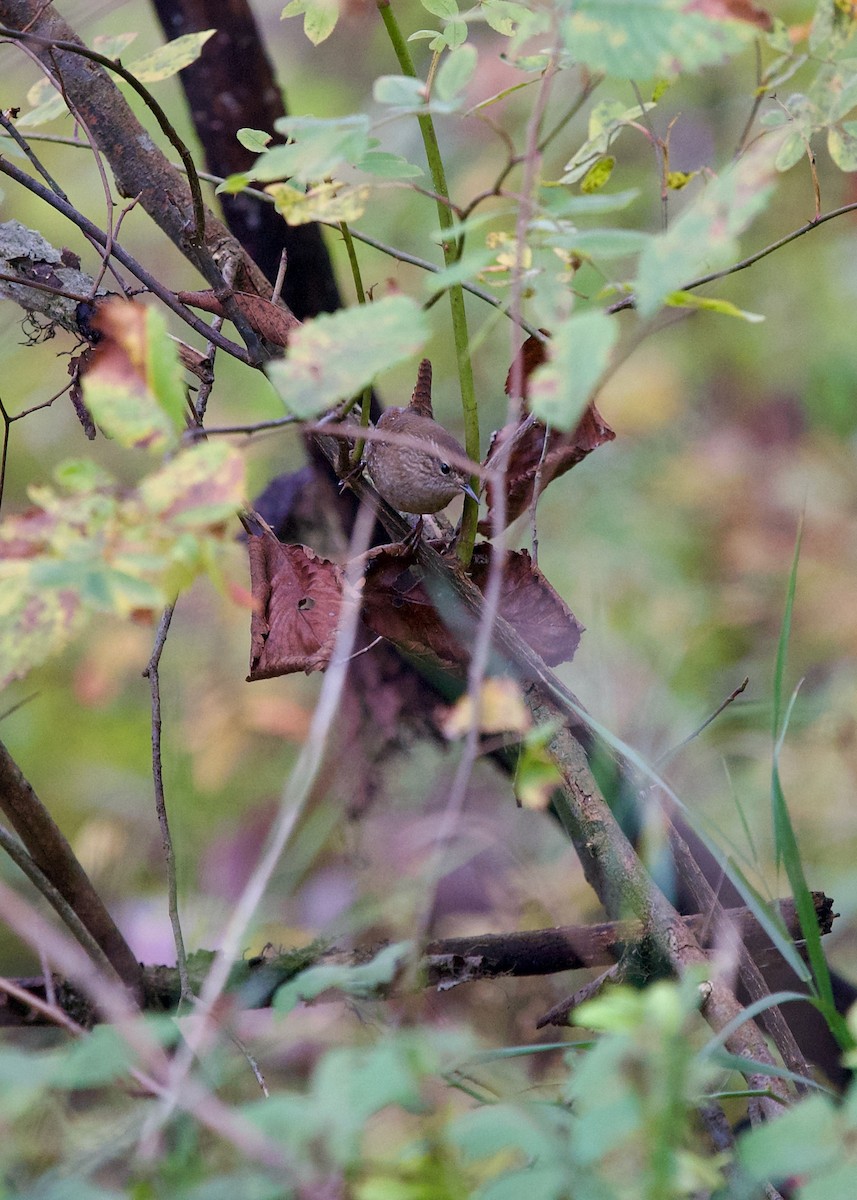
{"points": [[672, 545]]}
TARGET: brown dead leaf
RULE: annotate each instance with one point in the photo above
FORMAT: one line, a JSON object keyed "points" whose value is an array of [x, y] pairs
{"points": [[270, 321], [563, 451], [532, 353], [398, 607], [531, 606], [298, 596]]}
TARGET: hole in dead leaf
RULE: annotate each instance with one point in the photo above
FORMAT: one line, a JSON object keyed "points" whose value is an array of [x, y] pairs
{"points": [[305, 604]]}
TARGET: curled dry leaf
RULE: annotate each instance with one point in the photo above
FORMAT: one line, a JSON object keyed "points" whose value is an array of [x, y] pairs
{"points": [[531, 605], [528, 450], [397, 606], [297, 598], [271, 321]]}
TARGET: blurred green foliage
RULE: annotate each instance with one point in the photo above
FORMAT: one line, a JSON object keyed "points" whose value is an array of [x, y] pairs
{"points": [[671, 544]]}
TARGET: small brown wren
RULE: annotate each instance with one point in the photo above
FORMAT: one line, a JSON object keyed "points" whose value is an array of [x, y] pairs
{"points": [[413, 480]]}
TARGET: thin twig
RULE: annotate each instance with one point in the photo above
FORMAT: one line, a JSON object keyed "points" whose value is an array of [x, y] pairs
{"points": [[113, 64], [130, 263], [48, 1008], [295, 795], [24, 861], [25, 146], [733, 695], [55, 859], [751, 259], [152, 674], [660, 154], [757, 101]]}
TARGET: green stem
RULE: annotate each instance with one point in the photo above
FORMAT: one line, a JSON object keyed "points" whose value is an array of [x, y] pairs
{"points": [[456, 292], [366, 400]]}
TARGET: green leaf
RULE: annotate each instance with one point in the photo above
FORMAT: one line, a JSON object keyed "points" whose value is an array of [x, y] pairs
{"points": [[35, 623], [198, 489], [48, 104], [606, 122], [134, 387], [804, 1139], [560, 203], [321, 145], [463, 269], [100, 1057], [82, 475], [650, 37], [388, 166], [455, 72], [168, 60], [320, 17], [603, 243], [787, 850], [113, 45], [447, 9], [233, 184], [578, 355], [712, 304], [792, 150], [335, 356], [704, 236], [455, 34], [503, 16], [254, 140], [842, 146], [401, 91], [110, 549]]}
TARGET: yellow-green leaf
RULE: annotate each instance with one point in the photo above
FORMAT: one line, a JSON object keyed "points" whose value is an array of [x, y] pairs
{"points": [[320, 17], [168, 60], [597, 175], [325, 202]]}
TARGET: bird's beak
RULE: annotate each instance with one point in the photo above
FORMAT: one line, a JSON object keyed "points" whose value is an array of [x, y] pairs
{"points": [[468, 491]]}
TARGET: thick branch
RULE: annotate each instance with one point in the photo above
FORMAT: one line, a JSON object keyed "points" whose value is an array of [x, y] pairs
{"points": [[573, 947], [55, 858], [446, 962]]}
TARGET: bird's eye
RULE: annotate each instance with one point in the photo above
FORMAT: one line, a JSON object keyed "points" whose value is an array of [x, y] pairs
{"points": [[445, 468]]}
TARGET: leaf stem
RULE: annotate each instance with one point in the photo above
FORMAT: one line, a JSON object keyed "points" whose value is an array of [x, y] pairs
{"points": [[456, 292]]}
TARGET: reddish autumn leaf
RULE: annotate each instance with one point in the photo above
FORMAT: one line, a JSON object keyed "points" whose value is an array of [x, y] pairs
{"points": [[270, 321], [298, 597], [132, 378], [398, 607], [531, 355], [531, 605], [528, 457], [738, 10]]}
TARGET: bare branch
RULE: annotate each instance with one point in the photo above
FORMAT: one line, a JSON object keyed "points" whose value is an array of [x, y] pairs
{"points": [[56, 860]]}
